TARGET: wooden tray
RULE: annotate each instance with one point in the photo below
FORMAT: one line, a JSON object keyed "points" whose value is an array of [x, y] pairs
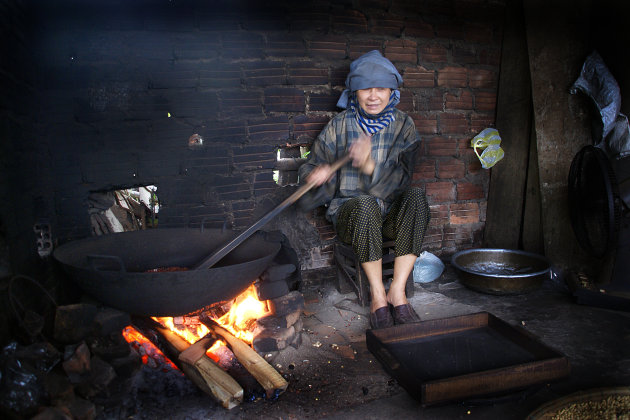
{"points": [[464, 357]]}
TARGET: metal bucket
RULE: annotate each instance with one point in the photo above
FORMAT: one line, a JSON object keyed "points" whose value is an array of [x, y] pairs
{"points": [[501, 271]]}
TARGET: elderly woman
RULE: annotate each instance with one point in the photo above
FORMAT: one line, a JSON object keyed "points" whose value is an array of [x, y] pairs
{"points": [[370, 198]]}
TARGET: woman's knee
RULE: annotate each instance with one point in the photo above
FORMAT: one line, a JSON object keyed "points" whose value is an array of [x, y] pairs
{"points": [[417, 196], [366, 204]]}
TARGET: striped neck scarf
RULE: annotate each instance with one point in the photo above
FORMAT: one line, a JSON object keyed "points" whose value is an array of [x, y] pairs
{"points": [[373, 123]]}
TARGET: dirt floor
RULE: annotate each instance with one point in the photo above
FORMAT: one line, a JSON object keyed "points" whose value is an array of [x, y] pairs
{"points": [[334, 375]]}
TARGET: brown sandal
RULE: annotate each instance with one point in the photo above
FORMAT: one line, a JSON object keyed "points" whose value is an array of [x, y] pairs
{"points": [[405, 314], [381, 318]]}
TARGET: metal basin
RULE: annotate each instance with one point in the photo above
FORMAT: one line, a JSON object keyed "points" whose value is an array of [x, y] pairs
{"points": [[501, 271]]}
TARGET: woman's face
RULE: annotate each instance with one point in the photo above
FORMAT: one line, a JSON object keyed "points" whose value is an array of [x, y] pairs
{"points": [[373, 100]]}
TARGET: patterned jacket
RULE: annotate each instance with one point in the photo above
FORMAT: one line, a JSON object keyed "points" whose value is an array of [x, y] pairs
{"points": [[393, 150]]}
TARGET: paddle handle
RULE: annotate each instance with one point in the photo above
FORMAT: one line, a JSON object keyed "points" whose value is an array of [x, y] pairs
{"points": [[229, 247]]}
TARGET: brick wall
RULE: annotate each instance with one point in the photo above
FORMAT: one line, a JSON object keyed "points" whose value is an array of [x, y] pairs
{"points": [[120, 87]]}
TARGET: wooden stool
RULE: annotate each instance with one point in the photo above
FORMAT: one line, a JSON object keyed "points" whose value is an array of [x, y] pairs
{"points": [[352, 278]]}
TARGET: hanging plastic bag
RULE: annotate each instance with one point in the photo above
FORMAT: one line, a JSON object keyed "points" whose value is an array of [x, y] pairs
{"points": [[489, 141], [427, 268]]}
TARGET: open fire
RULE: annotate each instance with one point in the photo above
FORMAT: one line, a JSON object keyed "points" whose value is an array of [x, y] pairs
{"points": [[240, 320]]}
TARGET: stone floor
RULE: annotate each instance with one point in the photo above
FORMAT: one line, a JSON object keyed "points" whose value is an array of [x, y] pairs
{"points": [[333, 374]]}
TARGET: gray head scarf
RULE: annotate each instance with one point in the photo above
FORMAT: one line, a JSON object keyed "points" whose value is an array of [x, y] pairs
{"points": [[369, 71]]}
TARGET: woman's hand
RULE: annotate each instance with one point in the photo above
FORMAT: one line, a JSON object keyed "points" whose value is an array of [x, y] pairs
{"points": [[320, 175], [361, 154]]}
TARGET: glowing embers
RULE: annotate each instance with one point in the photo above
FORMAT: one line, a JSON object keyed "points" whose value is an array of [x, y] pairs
{"points": [[149, 353]]}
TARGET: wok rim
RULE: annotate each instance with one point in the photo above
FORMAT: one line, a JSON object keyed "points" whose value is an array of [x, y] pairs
{"points": [[501, 251]]}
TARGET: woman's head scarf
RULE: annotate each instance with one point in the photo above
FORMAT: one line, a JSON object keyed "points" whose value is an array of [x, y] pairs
{"points": [[371, 70]]}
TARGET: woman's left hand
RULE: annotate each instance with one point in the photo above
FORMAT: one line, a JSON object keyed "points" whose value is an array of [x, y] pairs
{"points": [[361, 154]]}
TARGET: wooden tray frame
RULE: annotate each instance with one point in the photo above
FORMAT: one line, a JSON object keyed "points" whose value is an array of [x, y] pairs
{"points": [[548, 366]]}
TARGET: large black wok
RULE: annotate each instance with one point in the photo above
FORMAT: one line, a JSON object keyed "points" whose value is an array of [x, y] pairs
{"points": [[113, 268]]}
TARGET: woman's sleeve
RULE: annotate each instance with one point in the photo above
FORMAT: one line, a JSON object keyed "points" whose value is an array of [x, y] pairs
{"points": [[394, 176], [322, 152]]}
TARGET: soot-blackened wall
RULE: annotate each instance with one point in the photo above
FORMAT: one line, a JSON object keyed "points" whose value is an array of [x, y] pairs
{"points": [[116, 90]]}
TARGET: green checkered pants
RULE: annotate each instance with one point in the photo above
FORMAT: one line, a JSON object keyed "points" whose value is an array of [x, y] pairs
{"points": [[360, 224]]}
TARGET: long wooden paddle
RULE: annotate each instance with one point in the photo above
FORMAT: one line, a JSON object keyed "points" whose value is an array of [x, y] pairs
{"points": [[227, 248]]}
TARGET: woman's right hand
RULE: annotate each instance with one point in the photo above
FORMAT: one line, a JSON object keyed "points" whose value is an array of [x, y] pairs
{"points": [[320, 175]]}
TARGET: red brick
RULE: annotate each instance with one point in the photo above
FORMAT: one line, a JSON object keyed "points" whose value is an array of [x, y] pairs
{"points": [[485, 101], [418, 77], [338, 76], [458, 237], [451, 169], [406, 102], [350, 21], [479, 122], [388, 26], [433, 54], [482, 79], [463, 99], [323, 101], [358, 47], [464, 213], [187, 46], [264, 22], [490, 56], [417, 29], [284, 46], [435, 102], [239, 102], [424, 170], [433, 240], [469, 191], [237, 44], [284, 100], [449, 30], [305, 126], [453, 123], [226, 131], [452, 77], [255, 157], [477, 32], [442, 146], [307, 73], [332, 47], [465, 55], [219, 75], [472, 161], [310, 20], [271, 129], [425, 124], [233, 192], [264, 73], [439, 215], [440, 192], [402, 50]]}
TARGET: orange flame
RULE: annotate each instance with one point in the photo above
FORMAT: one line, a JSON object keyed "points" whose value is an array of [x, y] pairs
{"points": [[239, 320]]}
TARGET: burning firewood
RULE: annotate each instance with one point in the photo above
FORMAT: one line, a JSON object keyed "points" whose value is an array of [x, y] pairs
{"points": [[273, 383], [203, 371]]}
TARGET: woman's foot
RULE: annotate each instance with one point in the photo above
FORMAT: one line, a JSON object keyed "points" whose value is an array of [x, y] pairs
{"points": [[381, 318], [404, 314]]}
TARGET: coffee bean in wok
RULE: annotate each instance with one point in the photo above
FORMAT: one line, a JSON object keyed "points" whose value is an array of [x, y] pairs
{"points": [[164, 269]]}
